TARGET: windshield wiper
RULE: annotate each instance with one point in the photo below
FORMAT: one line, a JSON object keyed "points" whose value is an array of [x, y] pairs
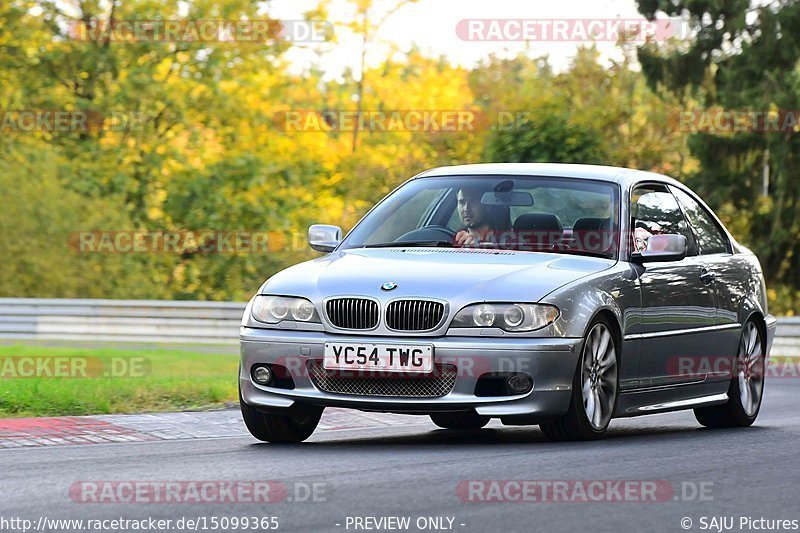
{"points": [[401, 244], [590, 253], [565, 250]]}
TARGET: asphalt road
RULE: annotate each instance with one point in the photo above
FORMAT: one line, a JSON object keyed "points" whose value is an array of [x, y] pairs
{"points": [[414, 471]]}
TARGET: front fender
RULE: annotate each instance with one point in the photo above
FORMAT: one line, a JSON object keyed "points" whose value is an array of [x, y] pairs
{"points": [[616, 291]]}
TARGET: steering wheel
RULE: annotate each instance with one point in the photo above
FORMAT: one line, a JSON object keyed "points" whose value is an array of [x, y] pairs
{"points": [[428, 233]]}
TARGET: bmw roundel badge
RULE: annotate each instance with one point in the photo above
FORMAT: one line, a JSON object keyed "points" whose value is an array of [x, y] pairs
{"points": [[389, 286]]}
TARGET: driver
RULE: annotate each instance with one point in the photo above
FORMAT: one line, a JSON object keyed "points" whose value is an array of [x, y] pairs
{"points": [[482, 223]]}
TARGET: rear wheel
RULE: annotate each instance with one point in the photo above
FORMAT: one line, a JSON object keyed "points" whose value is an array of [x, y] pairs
{"points": [[270, 427], [746, 388], [465, 420], [595, 388]]}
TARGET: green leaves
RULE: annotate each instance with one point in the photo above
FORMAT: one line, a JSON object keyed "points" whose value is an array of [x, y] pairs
{"points": [[205, 151], [741, 59]]}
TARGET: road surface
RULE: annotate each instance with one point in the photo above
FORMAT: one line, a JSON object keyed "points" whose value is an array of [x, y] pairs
{"points": [[407, 467]]}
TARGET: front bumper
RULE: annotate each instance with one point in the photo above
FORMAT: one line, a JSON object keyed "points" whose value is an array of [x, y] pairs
{"points": [[772, 326], [551, 362]]}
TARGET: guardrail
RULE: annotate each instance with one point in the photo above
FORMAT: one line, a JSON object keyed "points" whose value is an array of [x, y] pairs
{"points": [[184, 322], [787, 337], [142, 321]]}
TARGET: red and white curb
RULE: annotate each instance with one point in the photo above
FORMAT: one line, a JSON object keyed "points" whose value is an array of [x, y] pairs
{"points": [[105, 429]]}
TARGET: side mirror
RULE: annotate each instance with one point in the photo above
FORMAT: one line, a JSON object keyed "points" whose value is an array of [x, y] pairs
{"points": [[662, 249], [324, 238]]}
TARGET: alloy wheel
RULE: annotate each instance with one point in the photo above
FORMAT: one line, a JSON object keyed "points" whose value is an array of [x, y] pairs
{"points": [[599, 376], [750, 369]]}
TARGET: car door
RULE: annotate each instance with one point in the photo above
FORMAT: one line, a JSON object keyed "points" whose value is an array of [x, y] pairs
{"points": [[728, 281], [678, 310]]}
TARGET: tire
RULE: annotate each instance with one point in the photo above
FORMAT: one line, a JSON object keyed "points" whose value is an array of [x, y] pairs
{"points": [[595, 385], [270, 427], [746, 389], [463, 420]]}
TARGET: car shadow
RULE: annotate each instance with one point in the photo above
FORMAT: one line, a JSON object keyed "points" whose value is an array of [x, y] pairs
{"points": [[516, 435]]}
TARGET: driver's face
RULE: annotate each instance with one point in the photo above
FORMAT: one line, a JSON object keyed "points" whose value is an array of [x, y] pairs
{"points": [[471, 210]]}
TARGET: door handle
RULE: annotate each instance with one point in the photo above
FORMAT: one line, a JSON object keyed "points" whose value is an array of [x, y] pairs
{"points": [[707, 276]]}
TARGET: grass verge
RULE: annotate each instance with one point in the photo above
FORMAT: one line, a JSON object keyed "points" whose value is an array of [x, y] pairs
{"points": [[45, 381]]}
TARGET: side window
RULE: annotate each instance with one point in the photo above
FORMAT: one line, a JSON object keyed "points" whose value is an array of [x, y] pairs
{"points": [[710, 237], [656, 212]]}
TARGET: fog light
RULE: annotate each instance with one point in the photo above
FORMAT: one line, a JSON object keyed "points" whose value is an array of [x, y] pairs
{"points": [[519, 383], [262, 374]]}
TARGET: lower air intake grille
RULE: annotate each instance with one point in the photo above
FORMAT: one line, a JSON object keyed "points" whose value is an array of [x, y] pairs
{"points": [[436, 384]]}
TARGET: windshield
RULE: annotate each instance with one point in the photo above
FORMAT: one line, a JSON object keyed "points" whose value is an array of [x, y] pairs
{"points": [[564, 215]]}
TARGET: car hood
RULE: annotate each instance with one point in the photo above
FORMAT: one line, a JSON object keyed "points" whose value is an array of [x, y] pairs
{"points": [[456, 275]]}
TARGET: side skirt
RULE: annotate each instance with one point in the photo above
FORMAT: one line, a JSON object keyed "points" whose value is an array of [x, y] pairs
{"points": [[664, 399]]}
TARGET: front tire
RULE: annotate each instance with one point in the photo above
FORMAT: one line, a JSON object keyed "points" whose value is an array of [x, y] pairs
{"points": [[747, 385], [465, 420], [270, 427], [595, 387]]}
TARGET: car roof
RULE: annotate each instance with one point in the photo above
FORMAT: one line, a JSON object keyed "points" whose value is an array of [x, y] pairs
{"points": [[625, 177]]}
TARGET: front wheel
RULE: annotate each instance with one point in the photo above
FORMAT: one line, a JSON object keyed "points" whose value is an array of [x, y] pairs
{"points": [[595, 387], [270, 427], [746, 388]]}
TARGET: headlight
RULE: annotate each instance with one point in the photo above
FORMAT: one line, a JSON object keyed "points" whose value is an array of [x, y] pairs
{"points": [[510, 317], [273, 309], [484, 315]]}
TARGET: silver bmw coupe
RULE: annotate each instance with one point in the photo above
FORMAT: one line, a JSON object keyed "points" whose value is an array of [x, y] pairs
{"points": [[549, 294]]}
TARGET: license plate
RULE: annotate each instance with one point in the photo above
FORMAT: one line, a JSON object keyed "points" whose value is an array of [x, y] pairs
{"points": [[417, 358]]}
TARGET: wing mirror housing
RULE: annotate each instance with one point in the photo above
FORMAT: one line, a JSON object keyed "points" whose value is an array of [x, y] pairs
{"points": [[324, 238], [662, 249]]}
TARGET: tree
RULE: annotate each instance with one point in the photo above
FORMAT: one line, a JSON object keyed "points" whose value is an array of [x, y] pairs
{"points": [[742, 58], [588, 113]]}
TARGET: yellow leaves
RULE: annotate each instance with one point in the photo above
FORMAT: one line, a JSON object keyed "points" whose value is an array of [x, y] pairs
{"points": [[738, 223], [156, 201], [229, 86], [783, 300], [276, 241], [764, 205], [690, 165], [171, 167], [333, 179], [111, 139], [253, 101], [179, 273], [427, 88], [162, 70]]}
